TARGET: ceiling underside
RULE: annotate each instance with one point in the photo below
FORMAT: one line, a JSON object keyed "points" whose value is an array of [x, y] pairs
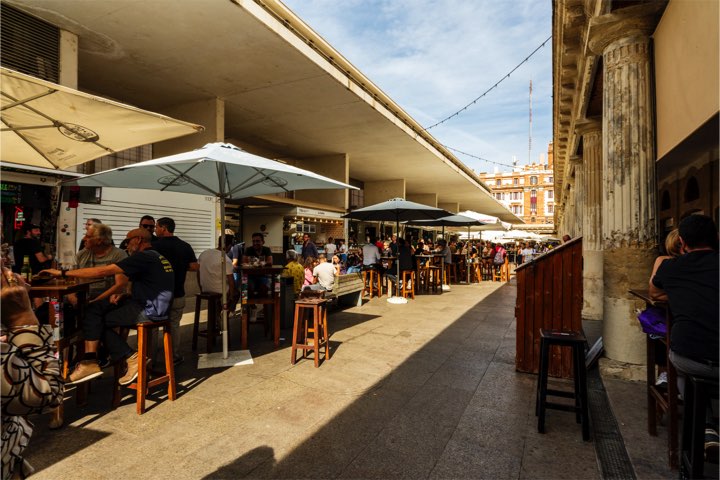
{"points": [[278, 100]]}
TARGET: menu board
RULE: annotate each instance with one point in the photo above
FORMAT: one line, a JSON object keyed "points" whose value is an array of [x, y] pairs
{"points": [[11, 193]]}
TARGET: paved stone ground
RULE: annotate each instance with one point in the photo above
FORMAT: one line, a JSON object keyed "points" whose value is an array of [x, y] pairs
{"points": [[423, 390]]}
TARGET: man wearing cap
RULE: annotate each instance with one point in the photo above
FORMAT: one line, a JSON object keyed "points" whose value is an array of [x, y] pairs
{"points": [[30, 246], [153, 283]]}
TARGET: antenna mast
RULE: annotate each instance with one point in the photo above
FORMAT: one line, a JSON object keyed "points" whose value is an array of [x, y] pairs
{"points": [[530, 126]]}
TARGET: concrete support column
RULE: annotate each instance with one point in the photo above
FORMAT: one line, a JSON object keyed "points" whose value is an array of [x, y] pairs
{"points": [[628, 212], [376, 192], [336, 167], [208, 113], [591, 215], [578, 195], [430, 199], [452, 207], [68, 59]]}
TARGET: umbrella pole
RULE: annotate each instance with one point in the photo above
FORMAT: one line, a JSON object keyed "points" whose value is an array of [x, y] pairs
{"points": [[223, 277], [397, 260]]}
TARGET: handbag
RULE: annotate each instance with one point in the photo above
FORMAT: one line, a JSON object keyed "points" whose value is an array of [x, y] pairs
{"points": [[652, 321]]}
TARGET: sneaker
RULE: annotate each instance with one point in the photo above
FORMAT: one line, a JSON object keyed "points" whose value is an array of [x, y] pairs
{"points": [[712, 445], [85, 370], [104, 363], [132, 370], [661, 380]]}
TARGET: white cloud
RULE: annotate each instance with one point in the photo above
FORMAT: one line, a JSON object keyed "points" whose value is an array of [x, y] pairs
{"points": [[433, 57]]}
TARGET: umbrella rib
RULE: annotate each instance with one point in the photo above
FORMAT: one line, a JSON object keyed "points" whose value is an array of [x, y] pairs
{"points": [[31, 145], [254, 180], [179, 174], [16, 102]]}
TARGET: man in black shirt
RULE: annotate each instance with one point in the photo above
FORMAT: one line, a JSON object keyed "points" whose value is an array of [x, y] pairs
{"points": [[258, 285], [182, 258], [153, 283], [30, 246], [148, 223], [690, 284]]}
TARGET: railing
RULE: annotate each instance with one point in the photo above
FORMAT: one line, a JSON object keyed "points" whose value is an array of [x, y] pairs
{"points": [[550, 296]]}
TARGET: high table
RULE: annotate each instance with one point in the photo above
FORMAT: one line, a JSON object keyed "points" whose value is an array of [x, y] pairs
{"points": [[661, 400], [430, 258], [273, 298], [58, 289]]}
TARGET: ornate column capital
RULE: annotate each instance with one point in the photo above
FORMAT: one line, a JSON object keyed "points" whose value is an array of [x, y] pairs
{"points": [[585, 126], [638, 21]]}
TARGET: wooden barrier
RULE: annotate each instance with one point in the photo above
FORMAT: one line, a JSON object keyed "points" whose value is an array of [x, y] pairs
{"points": [[549, 295]]}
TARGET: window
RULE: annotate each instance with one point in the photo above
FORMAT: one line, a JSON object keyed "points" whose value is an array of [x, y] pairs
{"points": [[533, 180], [533, 201], [498, 182], [551, 208], [516, 181], [550, 194], [517, 209], [549, 179]]}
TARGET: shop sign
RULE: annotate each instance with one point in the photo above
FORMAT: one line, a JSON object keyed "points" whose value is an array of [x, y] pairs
{"points": [[11, 193], [310, 212]]}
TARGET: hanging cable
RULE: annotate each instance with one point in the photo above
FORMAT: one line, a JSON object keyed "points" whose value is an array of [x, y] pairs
{"points": [[479, 158], [489, 89]]}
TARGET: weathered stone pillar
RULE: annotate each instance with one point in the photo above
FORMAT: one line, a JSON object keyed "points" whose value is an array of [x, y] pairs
{"points": [[578, 195], [628, 211], [591, 214]]}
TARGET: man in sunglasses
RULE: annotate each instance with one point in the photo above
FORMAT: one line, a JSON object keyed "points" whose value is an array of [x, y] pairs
{"points": [[153, 283], [148, 223]]}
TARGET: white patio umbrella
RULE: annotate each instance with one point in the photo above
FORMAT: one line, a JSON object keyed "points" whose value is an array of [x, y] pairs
{"points": [[489, 222], [52, 126], [218, 169]]}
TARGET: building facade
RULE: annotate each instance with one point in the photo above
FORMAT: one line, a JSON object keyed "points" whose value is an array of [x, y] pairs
{"points": [[635, 120], [528, 191]]}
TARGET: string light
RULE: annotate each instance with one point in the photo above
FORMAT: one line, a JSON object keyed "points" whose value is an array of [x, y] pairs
{"points": [[479, 158], [491, 88]]}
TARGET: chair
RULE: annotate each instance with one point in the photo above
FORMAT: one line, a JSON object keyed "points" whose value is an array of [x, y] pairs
{"points": [[698, 392], [214, 307], [576, 341], [310, 311], [142, 384]]}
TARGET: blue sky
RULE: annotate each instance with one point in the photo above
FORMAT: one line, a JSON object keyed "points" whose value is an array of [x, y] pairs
{"points": [[433, 57]]}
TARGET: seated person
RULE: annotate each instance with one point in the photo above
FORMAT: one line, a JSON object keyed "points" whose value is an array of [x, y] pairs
{"points": [[323, 275], [337, 264], [153, 282], [209, 278], [405, 260], [295, 270], [308, 266], [99, 251], [690, 284], [258, 285], [32, 381]]}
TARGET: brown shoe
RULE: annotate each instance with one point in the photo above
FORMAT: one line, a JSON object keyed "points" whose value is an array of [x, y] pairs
{"points": [[132, 370], [84, 371]]}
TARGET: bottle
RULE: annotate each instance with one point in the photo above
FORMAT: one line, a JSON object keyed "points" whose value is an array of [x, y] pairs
{"points": [[58, 314], [25, 271]]}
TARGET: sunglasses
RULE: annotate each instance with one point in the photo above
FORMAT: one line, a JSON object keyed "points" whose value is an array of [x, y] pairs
{"points": [[149, 226]]}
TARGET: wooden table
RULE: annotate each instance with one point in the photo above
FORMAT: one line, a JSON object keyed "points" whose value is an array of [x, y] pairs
{"points": [[58, 289], [429, 258], [661, 400], [273, 299]]}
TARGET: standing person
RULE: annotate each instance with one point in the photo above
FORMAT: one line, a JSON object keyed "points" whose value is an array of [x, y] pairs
{"points": [[342, 250], [371, 255], [153, 282], [182, 258], [308, 248], [330, 248], [690, 284], [88, 223], [394, 245], [236, 255], [31, 378], [30, 246], [148, 223]]}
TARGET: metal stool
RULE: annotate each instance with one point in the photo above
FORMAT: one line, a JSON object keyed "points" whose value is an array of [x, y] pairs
{"points": [[576, 341]]}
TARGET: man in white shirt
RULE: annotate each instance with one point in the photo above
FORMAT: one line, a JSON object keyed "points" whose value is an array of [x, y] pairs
{"points": [[330, 248], [209, 271], [324, 275]]}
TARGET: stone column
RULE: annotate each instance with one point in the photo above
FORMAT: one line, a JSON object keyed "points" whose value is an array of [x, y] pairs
{"points": [[591, 215], [628, 229]]}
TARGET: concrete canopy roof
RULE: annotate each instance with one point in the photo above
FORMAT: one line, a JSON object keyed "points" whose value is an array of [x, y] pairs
{"points": [[287, 93]]}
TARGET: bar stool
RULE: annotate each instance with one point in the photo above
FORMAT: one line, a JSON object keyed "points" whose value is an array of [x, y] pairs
{"points": [[214, 307], [698, 392], [142, 384], [310, 310], [576, 341], [371, 282], [450, 274], [408, 284]]}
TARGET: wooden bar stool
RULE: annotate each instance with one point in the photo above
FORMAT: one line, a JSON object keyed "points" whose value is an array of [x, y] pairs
{"points": [[142, 384], [450, 274], [309, 310], [371, 282], [576, 341], [698, 392], [214, 307], [408, 284]]}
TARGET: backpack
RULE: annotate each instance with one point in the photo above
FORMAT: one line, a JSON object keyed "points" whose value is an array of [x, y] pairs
{"points": [[499, 257]]}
